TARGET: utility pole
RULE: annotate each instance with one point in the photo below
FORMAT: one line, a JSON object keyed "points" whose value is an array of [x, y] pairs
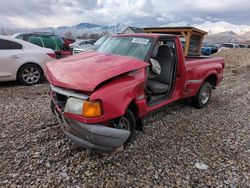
{"points": [[2, 31]]}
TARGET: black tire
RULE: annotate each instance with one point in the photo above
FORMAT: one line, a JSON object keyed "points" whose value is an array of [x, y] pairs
{"points": [[203, 96], [128, 117], [30, 74]]}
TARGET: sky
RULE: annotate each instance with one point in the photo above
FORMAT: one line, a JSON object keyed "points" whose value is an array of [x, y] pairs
{"points": [[53, 13]]}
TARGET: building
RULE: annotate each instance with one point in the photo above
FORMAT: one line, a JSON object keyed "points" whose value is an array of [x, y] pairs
{"points": [[130, 30]]}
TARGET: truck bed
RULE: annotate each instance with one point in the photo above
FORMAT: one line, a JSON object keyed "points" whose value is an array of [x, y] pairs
{"points": [[200, 69]]}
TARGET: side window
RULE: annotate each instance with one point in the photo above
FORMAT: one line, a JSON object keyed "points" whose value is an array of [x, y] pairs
{"points": [[15, 46], [26, 37], [169, 43], [9, 45], [20, 37], [4, 44]]}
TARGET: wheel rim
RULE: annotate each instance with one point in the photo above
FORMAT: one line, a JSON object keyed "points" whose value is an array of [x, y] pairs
{"points": [[205, 95], [123, 124], [31, 75]]}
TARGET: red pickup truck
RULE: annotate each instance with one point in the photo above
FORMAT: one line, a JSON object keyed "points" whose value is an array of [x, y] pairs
{"points": [[99, 97]]}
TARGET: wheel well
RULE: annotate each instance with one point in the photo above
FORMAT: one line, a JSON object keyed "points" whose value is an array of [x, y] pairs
{"points": [[30, 63], [212, 79], [132, 106]]}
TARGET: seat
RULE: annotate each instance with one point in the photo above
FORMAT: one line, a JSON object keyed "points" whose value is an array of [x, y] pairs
{"points": [[157, 87], [162, 83]]}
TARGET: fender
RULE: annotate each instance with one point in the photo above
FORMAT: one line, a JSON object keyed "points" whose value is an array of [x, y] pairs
{"points": [[197, 79], [116, 96], [212, 72]]}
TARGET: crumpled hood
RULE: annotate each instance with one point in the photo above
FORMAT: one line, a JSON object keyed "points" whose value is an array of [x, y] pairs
{"points": [[86, 70]]}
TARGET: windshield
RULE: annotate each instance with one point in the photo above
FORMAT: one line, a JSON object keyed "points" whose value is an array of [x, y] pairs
{"points": [[100, 41], [136, 47]]}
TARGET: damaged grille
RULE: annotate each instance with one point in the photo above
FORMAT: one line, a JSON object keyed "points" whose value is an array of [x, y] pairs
{"points": [[60, 100]]}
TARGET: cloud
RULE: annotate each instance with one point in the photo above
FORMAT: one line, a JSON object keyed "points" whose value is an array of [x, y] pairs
{"points": [[40, 13], [198, 19]]}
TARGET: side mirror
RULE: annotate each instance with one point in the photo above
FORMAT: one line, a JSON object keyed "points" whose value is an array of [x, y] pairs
{"points": [[156, 68]]}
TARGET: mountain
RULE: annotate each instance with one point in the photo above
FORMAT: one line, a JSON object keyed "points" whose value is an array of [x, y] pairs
{"points": [[88, 28], [75, 30], [220, 27], [246, 35], [225, 37], [224, 32]]}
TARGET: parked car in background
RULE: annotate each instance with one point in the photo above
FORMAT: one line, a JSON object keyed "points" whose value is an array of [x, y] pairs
{"points": [[47, 40], [82, 43], [243, 45], [26, 35], [228, 46], [80, 49], [23, 61], [67, 42], [99, 97], [208, 49]]}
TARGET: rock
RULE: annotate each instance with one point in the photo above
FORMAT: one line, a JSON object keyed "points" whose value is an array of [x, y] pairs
{"points": [[5, 181], [201, 166], [64, 174], [47, 164]]}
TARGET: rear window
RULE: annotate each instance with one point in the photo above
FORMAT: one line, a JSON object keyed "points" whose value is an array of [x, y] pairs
{"points": [[9, 45], [58, 41], [51, 42], [36, 40]]}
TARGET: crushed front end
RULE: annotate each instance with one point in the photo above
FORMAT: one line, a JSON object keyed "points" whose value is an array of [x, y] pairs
{"points": [[69, 107]]}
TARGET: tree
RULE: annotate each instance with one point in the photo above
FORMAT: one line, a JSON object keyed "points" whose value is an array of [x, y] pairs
{"points": [[83, 36]]}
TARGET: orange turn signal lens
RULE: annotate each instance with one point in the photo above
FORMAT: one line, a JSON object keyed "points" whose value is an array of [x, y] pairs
{"points": [[91, 109]]}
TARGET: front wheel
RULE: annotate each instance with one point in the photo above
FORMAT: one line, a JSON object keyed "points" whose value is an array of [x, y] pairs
{"points": [[126, 122], [203, 96], [52, 107], [30, 74]]}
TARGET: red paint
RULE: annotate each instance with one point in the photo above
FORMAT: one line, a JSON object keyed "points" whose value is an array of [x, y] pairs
{"points": [[52, 55], [85, 71]]}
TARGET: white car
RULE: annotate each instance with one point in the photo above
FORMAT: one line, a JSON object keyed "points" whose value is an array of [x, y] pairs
{"points": [[228, 46], [80, 49], [81, 43], [22, 61]]}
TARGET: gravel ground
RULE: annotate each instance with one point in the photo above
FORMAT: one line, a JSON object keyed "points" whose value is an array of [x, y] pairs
{"points": [[180, 147]]}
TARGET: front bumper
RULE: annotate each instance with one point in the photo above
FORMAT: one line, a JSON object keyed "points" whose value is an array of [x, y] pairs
{"points": [[92, 136]]}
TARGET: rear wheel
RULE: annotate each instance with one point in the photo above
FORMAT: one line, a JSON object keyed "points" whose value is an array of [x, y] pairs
{"points": [[30, 74], [203, 96]]}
